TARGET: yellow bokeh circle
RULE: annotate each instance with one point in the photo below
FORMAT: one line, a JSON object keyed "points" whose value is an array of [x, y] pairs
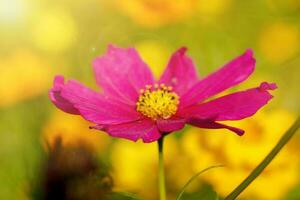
{"points": [[279, 41], [54, 31]]}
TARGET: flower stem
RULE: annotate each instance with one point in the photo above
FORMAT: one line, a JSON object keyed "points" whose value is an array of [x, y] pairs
{"points": [[257, 171], [161, 173]]}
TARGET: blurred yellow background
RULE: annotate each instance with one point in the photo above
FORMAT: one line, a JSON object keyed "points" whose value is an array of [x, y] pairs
{"points": [[41, 38]]}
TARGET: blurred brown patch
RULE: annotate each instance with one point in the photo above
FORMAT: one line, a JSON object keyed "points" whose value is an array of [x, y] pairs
{"points": [[74, 173]]}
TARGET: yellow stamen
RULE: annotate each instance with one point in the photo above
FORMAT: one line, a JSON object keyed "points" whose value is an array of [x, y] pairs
{"points": [[157, 102]]}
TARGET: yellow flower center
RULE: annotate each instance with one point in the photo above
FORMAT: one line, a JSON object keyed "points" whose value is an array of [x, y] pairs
{"points": [[157, 102]]}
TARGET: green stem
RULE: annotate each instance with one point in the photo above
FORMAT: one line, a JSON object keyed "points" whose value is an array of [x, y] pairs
{"points": [[161, 173], [258, 170]]}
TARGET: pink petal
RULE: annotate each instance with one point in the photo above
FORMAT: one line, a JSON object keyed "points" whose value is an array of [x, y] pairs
{"points": [[170, 125], [144, 128], [180, 73], [58, 100], [95, 107], [214, 125], [229, 75], [121, 73], [234, 106]]}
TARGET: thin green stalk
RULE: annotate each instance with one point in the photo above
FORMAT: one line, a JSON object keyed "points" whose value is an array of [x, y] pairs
{"points": [[161, 173], [257, 171]]}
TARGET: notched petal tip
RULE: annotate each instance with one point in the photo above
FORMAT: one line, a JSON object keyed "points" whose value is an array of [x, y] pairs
{"points": [[58, 83], [182, 50], [57, 99], [249, 52], [114, 49], [248, 56], [267, 86], [111, 47], [59, 79]]}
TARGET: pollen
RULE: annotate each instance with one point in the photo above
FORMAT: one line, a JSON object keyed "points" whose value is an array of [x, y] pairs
{"points": [[157, 101]]}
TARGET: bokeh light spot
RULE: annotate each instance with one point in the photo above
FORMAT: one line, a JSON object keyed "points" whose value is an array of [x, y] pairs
{"points": [[55, 31], [23, 75], [156, 13], [279, 42], [209, 10]]}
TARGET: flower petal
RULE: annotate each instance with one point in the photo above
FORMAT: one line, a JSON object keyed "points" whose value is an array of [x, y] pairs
{"points": [[170, 125], [58, 100], [214, 125], [234, 106], [95, 107], [180, 73], [229, 75], [144, 128], [121, 73]]}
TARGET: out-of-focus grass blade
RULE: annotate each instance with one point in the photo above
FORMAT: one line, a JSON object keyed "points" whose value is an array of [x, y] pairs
{"points": [[193, 178], [123, 196], [257, 171]]}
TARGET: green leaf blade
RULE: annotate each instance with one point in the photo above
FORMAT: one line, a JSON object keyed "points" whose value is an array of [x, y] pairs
{"points": [[193, 178], [266, 161]]}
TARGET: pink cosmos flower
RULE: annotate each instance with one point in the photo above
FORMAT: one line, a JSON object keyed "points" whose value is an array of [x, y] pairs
{"points": [[133, 105]]}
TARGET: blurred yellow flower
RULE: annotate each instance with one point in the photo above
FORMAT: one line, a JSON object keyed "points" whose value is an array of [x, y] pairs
{"points": [[209, 10], [54, 30], [157, 60], [135, 164], [73, 130], [132, 165], [155, 13], [22, 75], [241, 155], [279, 41]]}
